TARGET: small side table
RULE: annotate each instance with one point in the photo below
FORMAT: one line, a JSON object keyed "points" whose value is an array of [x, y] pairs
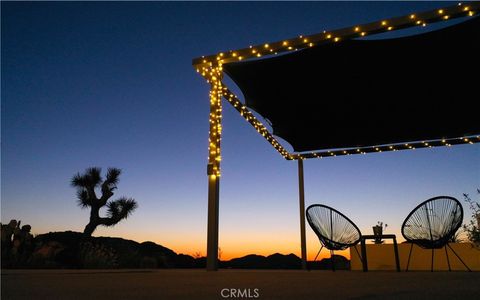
{"points": [[372, 237]]}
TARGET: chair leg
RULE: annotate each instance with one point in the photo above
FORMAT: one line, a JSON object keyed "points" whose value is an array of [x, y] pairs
{"points": [[308, 268], [448, 260], [459, 258], [433, 252], [359, 256], [409, 255], [332, 255], [318, 254]]}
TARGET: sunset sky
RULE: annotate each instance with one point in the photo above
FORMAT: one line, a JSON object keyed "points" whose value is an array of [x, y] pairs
{"points": [[111, 85]]}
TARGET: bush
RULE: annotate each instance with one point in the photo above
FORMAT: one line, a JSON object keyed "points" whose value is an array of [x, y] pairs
{"points": [[473, 227]]}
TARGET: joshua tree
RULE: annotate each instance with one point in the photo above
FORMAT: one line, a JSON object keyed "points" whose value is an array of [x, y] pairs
{"points": [[117, 210]]}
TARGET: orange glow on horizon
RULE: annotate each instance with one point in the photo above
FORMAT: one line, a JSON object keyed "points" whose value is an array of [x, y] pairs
{"points": [[230, 248], [232, 244]]}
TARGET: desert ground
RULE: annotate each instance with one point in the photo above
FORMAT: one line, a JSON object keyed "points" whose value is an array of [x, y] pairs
{"points": [[236, 284]]}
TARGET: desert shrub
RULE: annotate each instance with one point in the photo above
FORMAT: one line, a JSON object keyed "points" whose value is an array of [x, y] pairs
{"points": [[472, 228]]}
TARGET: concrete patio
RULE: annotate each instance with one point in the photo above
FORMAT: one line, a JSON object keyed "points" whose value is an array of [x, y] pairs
{"points": [[200, 284]]}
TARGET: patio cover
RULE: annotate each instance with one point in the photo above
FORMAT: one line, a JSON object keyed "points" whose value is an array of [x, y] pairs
{"points": [[358, 93]]}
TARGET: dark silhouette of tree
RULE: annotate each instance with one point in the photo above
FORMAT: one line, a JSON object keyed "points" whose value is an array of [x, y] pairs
{"points": [[473, 227], [117, 210]]}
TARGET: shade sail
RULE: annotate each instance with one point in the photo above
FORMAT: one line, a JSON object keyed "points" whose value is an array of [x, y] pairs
{"points": [[359, 93]]}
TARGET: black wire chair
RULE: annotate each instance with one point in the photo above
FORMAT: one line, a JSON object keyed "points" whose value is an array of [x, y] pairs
{"points": [[334, 230], [432, 224]]}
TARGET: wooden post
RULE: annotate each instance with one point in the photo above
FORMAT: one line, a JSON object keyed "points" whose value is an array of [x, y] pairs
{"points": [[302, 214], [213, 169], [212, 230]]}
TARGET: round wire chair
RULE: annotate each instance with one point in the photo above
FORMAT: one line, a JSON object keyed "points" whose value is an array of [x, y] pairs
{"points": [[334, 230], [432, 224]]}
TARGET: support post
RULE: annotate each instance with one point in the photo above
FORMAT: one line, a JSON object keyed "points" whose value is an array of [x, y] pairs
{"points": [[213, 169], [212, 234], [302, 214]]}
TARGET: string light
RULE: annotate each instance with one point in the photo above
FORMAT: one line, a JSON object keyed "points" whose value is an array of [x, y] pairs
{"points": [[250, 118], [215, 120], [210, 67], [393, 148], [302, 42], [342, 34]]}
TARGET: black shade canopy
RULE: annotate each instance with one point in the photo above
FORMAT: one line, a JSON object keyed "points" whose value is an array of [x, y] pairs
{"points": [[358, 93]]}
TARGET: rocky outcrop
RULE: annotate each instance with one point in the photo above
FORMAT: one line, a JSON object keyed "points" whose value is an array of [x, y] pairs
{"points": [[74, 250]]}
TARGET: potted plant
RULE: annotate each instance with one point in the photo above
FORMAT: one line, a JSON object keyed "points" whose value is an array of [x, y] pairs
{"points": [[378, 231]]}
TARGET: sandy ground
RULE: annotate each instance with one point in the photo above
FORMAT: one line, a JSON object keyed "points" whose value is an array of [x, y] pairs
{"points": [[253, 284]]}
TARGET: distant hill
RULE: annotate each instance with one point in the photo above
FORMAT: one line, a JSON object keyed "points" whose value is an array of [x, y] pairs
{"points": [[280, 261], [72, 250], [274, 261], [341, 263]]}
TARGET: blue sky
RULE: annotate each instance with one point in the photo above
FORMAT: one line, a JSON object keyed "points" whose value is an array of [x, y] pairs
{"points": [[111, 84]]}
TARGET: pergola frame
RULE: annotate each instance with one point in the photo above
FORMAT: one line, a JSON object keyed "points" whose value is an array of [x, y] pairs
{"points": [[210, 67]]}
